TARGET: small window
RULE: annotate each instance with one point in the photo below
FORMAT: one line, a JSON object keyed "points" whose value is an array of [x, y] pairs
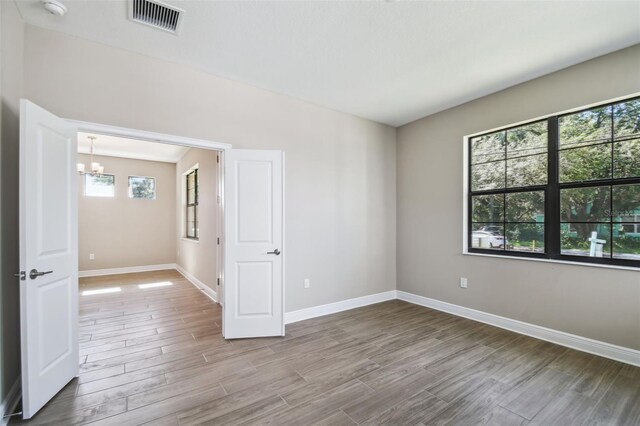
{"points": [[142, 187], [99, 185], [191, 216]]}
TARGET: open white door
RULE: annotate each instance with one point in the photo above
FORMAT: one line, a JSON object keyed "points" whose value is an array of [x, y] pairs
{"points": [[254, 239], [48, 255]]}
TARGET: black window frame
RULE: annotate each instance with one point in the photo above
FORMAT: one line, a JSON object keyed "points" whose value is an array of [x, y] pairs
{"points": [[552, 213], [194, 205]]}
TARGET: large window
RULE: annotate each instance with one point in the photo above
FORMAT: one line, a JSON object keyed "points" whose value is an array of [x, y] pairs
{"points": [[567, 187], [192, 204]]}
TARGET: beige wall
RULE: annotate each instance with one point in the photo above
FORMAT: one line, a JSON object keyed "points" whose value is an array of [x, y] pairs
{"points": [[340, 169], [121, 231], [199, 257], [601, 304], [11, 89]]}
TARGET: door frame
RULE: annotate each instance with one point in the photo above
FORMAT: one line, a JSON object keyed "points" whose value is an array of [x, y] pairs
{"points": [[219, 147]]}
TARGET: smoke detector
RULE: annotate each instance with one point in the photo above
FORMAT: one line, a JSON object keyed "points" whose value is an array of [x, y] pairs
{"points": [[54, 7], [156, 14]]}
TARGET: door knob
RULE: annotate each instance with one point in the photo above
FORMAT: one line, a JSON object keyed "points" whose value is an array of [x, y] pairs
{"points": [[276, 252], [33, 274]]}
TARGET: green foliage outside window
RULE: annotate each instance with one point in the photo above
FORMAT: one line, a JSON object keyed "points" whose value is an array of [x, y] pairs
{"points": [[509, 173], [142, 187]]}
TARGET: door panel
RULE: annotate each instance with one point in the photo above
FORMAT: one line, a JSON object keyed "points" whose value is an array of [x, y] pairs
{"points": [[55, 305], [254, 297], [254, 252], [255, 196], [53, 188], [48, 242]]}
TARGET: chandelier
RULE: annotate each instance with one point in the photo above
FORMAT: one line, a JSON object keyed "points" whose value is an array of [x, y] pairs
{"points": [[96, 168]]}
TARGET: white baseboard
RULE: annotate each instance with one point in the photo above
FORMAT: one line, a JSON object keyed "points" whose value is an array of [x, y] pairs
{"points": [[126, 270], [584, 344], [197, 283], [10, 401], [332, 308]]}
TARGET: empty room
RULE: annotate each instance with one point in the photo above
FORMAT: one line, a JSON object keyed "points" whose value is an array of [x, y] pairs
{"points": [[319, 212]]}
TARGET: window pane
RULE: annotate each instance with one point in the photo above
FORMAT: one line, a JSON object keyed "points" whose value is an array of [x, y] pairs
{"points": [[527, 171], [191, 229], [576, 239], [142, 187], [525, 207], [626, 241], [527, 140], [487, 148], [626, 159], [490, 236], [525, 237], [99, 186], [586, 163], [626, 119], [488, 208], [586, 127], [626, 203], [191, 214], [191, 196], [191, 180], [487, 176], [585, 204]]}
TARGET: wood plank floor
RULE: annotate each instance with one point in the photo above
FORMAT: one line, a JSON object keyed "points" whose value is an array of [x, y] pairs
{"points": [[156, 356]]}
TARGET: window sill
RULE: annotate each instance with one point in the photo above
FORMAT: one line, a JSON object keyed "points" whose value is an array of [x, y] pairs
{"points": [[565, 262], [190, 240]]}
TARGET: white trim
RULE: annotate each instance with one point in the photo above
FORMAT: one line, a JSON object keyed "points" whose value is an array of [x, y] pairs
{"points": [[220, 252], [126, 270], [596, 347], [564, 262], [197, 283], [10, 402], [190, 240], [105, 129], [332, 308], [284, 248]]}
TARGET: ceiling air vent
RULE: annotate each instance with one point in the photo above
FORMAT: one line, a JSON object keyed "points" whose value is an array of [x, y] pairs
{"points": [[156, 14]]}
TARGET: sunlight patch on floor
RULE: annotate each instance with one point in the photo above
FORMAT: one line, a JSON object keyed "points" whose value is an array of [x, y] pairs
{"points": [[101, 291], [153, 285]]}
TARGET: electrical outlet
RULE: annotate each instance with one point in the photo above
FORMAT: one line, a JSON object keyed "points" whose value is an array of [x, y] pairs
{"points": [[307, 283], [92, 256], [463, 282]]}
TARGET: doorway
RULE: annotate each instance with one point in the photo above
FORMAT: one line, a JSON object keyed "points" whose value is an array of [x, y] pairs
{"points": [[148, 206], [251, 264]]}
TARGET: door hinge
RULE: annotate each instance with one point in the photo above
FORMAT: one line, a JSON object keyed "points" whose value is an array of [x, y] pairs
{"points": [[218, 199], [217, 159], [218, 281], [22, 275], [218, 240]]}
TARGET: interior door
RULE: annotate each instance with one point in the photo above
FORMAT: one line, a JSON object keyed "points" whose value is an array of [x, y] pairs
{"points": [[48, 255], [254, 244]]}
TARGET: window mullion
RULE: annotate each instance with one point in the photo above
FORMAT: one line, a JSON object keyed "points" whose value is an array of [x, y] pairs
{"points": [[552, 194]]}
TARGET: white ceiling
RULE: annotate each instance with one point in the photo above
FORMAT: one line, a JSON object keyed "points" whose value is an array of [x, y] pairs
{"points": [[391, 62], [113, 146]]}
